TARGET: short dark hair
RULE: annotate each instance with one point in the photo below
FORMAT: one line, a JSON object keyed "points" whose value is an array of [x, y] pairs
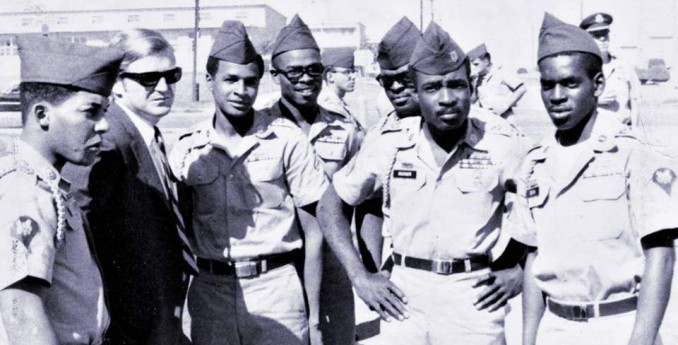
{"points": [[593, 64], [30, 93], [486, 56], [212, 66]]}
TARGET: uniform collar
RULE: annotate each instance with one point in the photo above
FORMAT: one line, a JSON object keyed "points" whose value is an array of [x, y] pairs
{"points": [[34, 163]]}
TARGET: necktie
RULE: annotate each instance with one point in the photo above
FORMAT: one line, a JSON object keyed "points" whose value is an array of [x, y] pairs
{"points": [[171, 192]]}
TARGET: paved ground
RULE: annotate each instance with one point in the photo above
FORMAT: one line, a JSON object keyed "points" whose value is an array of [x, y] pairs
{"points": [[660, 124]]}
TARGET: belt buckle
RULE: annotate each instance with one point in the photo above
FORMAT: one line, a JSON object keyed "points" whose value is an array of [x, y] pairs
{"points": [[443, 267], [246, 269], [579, 313]]}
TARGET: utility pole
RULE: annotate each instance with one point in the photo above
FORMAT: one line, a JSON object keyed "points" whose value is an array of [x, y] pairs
{"points": [[196, 34], [421, 15]]}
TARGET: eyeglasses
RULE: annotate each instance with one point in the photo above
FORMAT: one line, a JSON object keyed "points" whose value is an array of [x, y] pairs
{"points": [[151, 79], [386, 81], [295, 73]]}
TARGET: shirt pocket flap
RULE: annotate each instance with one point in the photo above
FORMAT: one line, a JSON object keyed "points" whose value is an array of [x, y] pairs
{"points": [[331, 150], [264, 169], [476, 180], [202, 172], [601, 187]]}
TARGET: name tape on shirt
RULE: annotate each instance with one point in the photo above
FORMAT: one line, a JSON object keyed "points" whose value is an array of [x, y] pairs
{"points": [[399, 173]]}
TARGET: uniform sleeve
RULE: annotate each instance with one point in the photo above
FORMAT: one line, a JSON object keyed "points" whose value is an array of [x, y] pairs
{"points": [[653, 191], [27, 231], [304, 170], [176, 159], [361, 178], [515, 153], [520, 225]]}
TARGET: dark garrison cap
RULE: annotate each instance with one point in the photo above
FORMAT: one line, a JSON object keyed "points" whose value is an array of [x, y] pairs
{"points": [[51, 61], [596, 22], [233, 45], [436, 53], [397, 45], [295, 36], [477, 52], [338, 57], [557, 37]]}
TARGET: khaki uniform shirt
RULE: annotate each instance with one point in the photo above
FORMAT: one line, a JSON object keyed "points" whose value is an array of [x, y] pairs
{"points": [[244, 201], [494, 90], [439, 213], [622, 83], [587, 217], [31, 245], [334, 138]]}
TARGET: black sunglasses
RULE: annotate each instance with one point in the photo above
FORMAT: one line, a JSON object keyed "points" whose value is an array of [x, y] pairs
{"points": [[386, 81], [295, 73], [151, 79]]}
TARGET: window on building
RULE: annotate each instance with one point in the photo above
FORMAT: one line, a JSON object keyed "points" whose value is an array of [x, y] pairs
{"points": [[97, 19], [62, 20], [205, 15], [168, 17], [133, 18]]}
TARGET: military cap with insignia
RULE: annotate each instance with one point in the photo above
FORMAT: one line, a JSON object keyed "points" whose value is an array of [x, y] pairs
{"points": [[477, 52], [436, 53], [597, 22], [232, 44], [338, 57], [556, 36], [295, 36], [397, 45], [51, 61]]}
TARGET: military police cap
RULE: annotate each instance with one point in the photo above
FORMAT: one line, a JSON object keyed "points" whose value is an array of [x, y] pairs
{"points": [[596, 22], [338, 57], [397, 45], [557, 37], [232, 44], [436, 53], [51, 61], [295, 36], [477, 52]]}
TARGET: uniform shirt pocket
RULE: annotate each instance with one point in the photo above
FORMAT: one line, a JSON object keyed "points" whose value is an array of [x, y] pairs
{"points": [[330, 149], [208, 189], [265, 179], [601, 195], [476, 180], [601, 187]]}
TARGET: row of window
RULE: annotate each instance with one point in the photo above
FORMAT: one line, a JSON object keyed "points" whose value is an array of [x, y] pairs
{"points": [[132, 18]]}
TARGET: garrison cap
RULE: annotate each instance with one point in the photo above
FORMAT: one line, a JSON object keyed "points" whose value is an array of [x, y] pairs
{"points": [[477, 52], [338, 57], [436, 53], [597, 22], [295, 36], [51, 61], [397, 45], [556, 37], [233, 45]]}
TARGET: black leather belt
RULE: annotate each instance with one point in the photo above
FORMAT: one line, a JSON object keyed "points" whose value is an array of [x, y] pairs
{"points": [[444, 267], [585, 311], [248, 268]]}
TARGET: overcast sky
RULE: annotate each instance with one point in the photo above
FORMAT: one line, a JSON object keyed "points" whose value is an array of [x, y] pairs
{"points": [[508, 27]]}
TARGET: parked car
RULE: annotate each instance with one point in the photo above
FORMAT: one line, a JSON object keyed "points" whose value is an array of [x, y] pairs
{"points": [[656, 72], [9, 99]]}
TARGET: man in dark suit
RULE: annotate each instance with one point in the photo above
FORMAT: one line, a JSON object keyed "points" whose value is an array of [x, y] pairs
{"points": [[133, 203]]}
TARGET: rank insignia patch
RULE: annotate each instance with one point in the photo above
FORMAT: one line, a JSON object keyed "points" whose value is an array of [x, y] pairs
{"points": [[664, 177], [24, 229]]}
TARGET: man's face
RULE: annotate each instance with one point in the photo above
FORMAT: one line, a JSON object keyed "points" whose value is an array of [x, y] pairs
{"points": [[235, 87], [400, 90], [568, 93], [76, 125], [150, 102], [445, 100], [343, 78], [479, 67], [602, 39], [300, 90]]}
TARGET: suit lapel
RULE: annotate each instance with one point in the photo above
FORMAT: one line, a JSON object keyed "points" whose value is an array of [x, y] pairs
{"points": [[146, 171]]}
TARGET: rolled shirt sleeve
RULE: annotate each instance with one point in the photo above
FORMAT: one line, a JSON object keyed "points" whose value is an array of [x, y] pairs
{"points": [[304, 170]]}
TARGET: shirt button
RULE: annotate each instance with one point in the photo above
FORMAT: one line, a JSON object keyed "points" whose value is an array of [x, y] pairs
{"points": [[230, 177]]}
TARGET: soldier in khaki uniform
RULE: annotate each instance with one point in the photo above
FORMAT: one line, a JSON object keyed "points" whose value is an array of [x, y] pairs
{"points": [[622, 88], [51, 289], [595, 206], [250, 174], [497, 90], [339, 79], [444, 180]]}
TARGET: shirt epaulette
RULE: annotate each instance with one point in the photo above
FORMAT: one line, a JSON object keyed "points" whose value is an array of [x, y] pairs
{"points": [[7, 165]]}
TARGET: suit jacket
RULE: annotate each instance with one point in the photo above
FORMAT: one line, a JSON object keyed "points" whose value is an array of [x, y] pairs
{"points": [[136, 238]]}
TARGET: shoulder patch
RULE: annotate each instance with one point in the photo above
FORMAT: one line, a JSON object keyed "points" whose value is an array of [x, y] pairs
{"points": [[664, 178], [24, 230]]}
